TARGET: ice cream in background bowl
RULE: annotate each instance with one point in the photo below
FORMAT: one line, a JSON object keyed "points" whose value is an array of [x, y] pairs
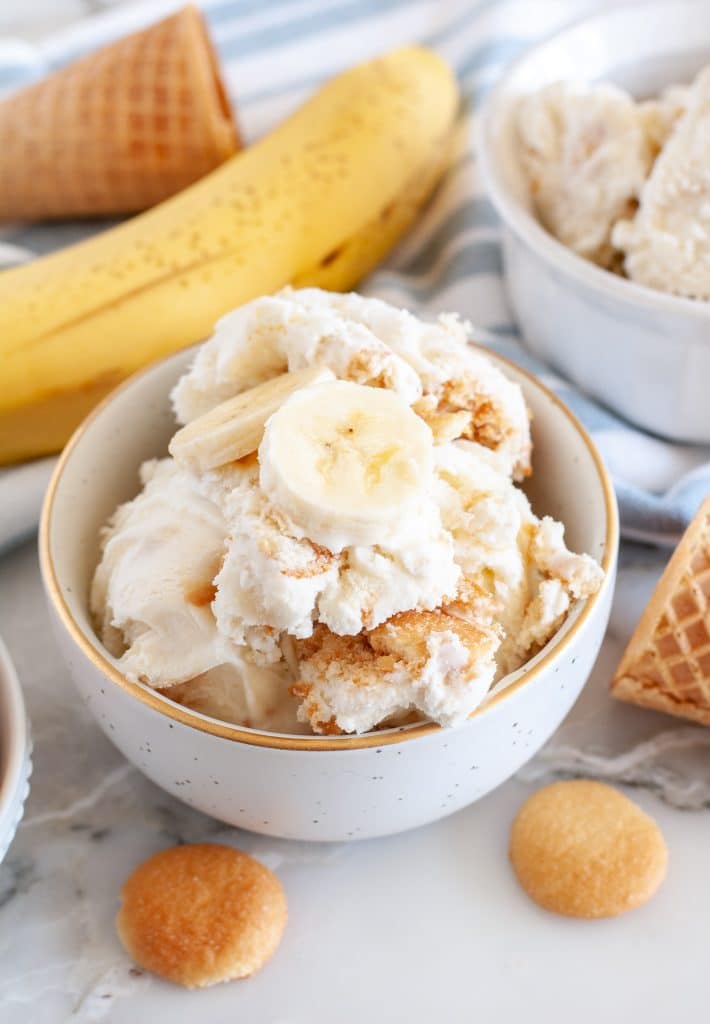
{"points": [[592, 147], [624, 183], [316, 585]]}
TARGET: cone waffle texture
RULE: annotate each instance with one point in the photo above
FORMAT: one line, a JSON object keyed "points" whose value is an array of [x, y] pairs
{"points": [[119, 130], [667, 663]]}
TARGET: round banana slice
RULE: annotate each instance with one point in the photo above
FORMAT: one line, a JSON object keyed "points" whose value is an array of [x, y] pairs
{"points": [[349, 464]]}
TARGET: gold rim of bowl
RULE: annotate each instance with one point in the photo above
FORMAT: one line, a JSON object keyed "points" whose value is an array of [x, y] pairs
{"points": [[281, 741]]}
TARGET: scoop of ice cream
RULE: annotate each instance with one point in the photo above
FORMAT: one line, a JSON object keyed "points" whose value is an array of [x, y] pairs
{"points": [[666, 244], [455, 379], [485, 515], [586, 155], [374, 583], [518, 582], [153, 587], [659, 116], [428, 663], [271, 578], [506, 555], [580, 574], [227, 591], [366, 341], [274, 580], [283, 332], [151, 598]]}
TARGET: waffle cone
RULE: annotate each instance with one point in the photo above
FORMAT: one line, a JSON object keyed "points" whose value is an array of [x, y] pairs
{"points": [[118, 130], [667, 663]]}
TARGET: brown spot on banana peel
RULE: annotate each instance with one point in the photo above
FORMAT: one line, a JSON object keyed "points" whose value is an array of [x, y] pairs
{"points": [[367, 245], [331, 257]]}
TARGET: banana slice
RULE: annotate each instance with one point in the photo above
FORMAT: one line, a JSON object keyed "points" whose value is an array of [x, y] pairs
{"points": [[349, 464], [234, 428]]}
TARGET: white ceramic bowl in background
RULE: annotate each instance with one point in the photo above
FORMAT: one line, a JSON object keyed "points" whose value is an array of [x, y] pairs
{"points": [[15, 752], [644, 353], [302, 787]]}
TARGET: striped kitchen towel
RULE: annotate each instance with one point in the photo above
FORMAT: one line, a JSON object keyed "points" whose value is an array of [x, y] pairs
{"points": [[273, 55]]}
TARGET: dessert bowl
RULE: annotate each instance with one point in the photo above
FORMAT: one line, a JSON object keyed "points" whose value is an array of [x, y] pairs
{"points": [[15, 752], [316, 787], [644, 353]]}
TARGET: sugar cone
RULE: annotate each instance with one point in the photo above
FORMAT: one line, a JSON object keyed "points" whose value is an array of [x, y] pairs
{"points": [[667, 663], [118, 130]]}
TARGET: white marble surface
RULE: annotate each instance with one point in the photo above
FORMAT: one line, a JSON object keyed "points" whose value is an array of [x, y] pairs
{"points": [[428, 925]]}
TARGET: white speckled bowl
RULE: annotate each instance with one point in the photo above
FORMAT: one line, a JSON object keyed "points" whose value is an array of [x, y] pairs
{"points": [[644, 353], [15, 752], [302, 787]]}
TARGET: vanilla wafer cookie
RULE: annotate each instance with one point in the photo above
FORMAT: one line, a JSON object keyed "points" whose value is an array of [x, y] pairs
{"points": [[582, 849], [666, 665], [201, 914]]}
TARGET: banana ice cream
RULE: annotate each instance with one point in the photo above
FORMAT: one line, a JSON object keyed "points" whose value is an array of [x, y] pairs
{"points": [[152, 595], [336, 542], [667, 243], [622, 183], [586, 154]]}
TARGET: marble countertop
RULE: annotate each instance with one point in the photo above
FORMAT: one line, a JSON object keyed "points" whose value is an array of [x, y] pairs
{"points": [[426, 925]]}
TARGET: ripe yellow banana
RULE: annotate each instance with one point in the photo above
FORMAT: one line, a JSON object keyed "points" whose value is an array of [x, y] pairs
{"points": [[319, 201]]}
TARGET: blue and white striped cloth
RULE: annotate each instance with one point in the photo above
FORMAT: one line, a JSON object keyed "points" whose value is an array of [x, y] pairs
{"points": [[273, 55]]}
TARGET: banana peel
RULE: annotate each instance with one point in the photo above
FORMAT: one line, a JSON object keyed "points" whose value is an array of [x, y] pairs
{"points": [[320, 201]]}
